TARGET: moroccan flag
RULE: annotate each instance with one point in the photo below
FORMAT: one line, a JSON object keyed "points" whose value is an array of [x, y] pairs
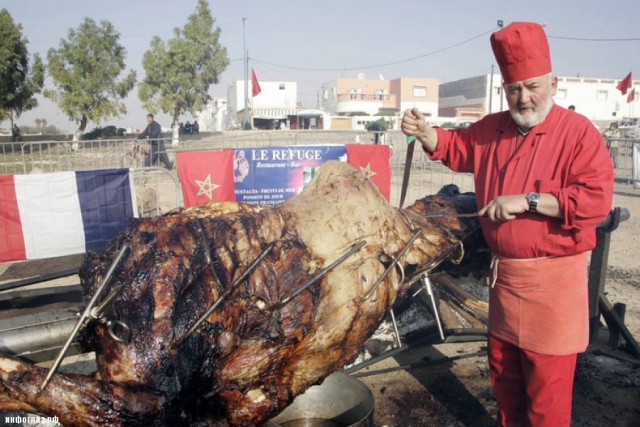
{"points": [[624, 84], [632, 95], [373, 162], [63, 213], [255, 86], [206, 176]]}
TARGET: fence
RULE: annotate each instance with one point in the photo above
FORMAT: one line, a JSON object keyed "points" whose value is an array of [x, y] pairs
{"points": [[158, 189]]}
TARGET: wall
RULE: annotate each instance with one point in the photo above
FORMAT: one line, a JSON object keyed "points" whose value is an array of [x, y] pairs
{"points": [[275, 100], [596, 98], [408, 97]]}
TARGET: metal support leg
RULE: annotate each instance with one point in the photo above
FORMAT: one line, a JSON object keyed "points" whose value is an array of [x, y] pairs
{"points": [[395, 328], [427, 286]]}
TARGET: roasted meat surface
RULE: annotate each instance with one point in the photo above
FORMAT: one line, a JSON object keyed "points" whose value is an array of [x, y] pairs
{"points": [[264, 343]]}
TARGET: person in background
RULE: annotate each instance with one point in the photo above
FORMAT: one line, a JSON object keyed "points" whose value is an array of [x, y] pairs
{"points": [[195, 127], [153, 133], [611, 137], [543, 181], [15, 133], [572, 107]]}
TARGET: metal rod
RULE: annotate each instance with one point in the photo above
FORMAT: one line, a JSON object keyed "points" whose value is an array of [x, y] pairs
{"points": [[427, 285], [321, 274], [395, 328], [99, 310], [225, 294], [37, 279], [207, 251], [87, 311], [391, 266]]}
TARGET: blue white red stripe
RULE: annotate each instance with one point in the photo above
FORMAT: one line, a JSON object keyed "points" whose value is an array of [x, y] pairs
{"points": [[63, 213]]}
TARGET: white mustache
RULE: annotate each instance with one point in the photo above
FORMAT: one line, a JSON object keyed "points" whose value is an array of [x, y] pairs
{"points": [[523, 106]]}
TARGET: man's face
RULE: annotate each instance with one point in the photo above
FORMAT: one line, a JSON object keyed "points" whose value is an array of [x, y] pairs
{"points": [[530, 100], [149, 119]]}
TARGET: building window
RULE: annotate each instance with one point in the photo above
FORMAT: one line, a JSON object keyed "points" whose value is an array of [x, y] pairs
{"points": [[420, 91], [355, 93], [561, 94], [602, 95], [281, 87]]}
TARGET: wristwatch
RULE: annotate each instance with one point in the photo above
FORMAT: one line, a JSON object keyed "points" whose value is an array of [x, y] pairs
{"points": [[533, 199]]}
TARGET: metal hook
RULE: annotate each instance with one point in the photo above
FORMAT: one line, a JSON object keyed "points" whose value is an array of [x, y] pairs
{"points": [[215, 305], [85, 315], [115, 328], [390, 267]]}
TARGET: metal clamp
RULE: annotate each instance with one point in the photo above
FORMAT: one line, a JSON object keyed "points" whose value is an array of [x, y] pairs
{"points": [[86, 314]]}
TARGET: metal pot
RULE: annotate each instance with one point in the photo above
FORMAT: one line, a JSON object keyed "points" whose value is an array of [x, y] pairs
{"points": [[339, 401]]}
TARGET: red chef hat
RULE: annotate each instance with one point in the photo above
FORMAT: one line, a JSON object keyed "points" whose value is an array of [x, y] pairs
{"points": [[522, 51]]}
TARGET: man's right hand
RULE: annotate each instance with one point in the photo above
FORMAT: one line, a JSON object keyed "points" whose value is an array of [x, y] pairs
{"points": [[414, 124]]}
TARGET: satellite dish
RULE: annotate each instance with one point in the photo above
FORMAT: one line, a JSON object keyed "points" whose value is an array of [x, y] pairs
{"points": [[380, 76], [362, 76]]}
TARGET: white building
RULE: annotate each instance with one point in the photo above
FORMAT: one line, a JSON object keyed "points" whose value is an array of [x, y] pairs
{"points": [[214, 116], [275, 102], [595, 98]]}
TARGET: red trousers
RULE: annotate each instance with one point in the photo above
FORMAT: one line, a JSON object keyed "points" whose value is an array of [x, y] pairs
{"points": [[531, 389]]}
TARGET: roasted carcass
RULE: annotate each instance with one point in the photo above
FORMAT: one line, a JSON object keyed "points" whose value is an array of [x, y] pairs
{"points": [[264, 343]]}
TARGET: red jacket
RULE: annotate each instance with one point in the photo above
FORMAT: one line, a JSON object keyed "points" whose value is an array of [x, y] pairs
{"points": [[565, 156]]}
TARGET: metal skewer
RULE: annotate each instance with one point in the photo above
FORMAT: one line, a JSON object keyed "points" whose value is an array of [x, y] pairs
{"points": [[286, 300], [390, 267], [85, 315], [222, 297], [207, 251]]}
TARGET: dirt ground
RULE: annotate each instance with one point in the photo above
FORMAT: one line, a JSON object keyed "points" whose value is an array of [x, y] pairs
{"points": [[449, 385]]}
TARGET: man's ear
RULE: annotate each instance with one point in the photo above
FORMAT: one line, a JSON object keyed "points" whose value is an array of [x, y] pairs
{"points": [[554, 85]]}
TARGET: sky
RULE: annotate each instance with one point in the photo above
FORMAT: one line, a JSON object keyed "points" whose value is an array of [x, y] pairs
{"points": [[312, 43]]}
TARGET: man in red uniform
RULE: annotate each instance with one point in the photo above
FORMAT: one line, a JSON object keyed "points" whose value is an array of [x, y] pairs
{"points": [[544, 179]]}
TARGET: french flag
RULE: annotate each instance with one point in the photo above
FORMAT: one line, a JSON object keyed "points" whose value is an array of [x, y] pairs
{"points": [[63, 213]]}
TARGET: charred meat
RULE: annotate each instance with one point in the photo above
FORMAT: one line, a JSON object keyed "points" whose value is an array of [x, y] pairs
{"points": [[280, 324]]}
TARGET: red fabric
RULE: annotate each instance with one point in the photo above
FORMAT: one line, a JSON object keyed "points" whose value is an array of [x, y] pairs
{"points": [[565, 156], [624, 84], [11, 238], [632, 95], [206, 176], [541, 304], [531, 389], [373, 162], [255, 86], [522, 51]]}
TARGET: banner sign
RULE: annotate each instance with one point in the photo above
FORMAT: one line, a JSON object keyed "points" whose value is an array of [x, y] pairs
{"points": [[267, 176], [271, 175]]}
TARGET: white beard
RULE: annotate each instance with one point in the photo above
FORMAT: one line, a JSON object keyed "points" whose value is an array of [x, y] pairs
{"points": [[534, 117]]}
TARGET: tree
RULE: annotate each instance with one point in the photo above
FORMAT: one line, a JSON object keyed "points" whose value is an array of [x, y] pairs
{"points": [[85, 69], [20, 82], [179, 72]]}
